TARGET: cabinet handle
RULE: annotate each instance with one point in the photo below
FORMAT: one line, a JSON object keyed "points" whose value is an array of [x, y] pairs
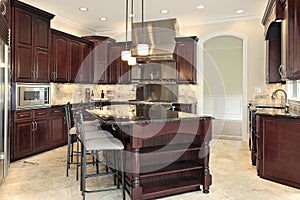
{"points": [[53, 75], [33, 74], [23, 115], [281, 71], [36, 126], [4, 8], [32, 123], [37, 75]]}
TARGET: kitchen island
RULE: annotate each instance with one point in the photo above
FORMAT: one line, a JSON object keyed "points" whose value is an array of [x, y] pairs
{"points": [[167, 152]]}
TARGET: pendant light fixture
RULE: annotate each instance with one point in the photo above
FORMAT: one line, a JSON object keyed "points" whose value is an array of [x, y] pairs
{"points": [[126, 54], [143, 48], [132, 60]]}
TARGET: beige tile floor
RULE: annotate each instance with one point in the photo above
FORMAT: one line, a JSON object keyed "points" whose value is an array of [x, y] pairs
{"points": [[42, 177]]}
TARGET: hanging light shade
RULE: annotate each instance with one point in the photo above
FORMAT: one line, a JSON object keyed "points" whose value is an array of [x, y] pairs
{"points": [[143, 49], [125, 55], [132, 61]]}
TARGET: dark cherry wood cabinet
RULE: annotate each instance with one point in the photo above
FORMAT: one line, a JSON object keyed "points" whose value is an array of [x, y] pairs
{"points": [[59, 59], [39, 130], [71, 60], [100, 62], [291, 37], [185, 55], [278, 145], [31, 132], [58, 129], [30, 43], [119, 71]]}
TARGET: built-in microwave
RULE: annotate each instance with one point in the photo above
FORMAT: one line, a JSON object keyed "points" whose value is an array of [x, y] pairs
{"points": [[32, 95]]}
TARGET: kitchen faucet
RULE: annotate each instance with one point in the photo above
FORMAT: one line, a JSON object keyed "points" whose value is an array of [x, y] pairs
{"points": [[286, 99]]}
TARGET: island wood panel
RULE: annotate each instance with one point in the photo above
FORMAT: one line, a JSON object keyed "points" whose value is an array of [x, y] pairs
{"points": [[155, 168]]}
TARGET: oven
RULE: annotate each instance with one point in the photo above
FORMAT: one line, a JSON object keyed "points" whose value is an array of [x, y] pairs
{"points": [[32, 95]]}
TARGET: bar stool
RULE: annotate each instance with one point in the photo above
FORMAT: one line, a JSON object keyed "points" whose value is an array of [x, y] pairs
{"points": [[92, 130], [104, 144]]}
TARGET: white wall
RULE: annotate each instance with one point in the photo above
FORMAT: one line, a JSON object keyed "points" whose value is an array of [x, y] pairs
{"points": [[251, 29]]}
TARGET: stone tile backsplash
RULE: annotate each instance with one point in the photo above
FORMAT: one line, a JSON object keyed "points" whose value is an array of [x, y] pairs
{"points": [[75, 93], [264, 97]]}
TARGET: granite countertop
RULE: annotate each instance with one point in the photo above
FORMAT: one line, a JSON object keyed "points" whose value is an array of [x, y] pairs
{"points": [[277, 113], [142, 114]]}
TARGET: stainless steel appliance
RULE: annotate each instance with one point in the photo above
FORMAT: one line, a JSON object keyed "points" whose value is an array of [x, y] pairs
{"points": [[32, 95], [157, 92], [4, 105]]}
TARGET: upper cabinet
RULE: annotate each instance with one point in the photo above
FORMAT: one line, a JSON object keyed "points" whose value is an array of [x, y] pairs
{"points": [[185, 55], [275, 72], [71, 60], [30, 43], [291, 38], [119, 71], [100, 52]]}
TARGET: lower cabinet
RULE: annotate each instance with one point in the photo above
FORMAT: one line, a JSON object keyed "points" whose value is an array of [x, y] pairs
{"points": [[278, 146], [38, 130], [58, 131]]}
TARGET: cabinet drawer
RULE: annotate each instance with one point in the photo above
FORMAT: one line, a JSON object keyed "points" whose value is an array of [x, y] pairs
{"points": [[21, 115], [41, 113], [59, 111]]}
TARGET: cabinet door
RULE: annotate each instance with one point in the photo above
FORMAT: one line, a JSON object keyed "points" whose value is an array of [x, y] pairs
{"points": [[58, 134], [85, 63], [41, 135], [41, 35], [22, 145], [279, 150], [119, 71], [23, 58], [60, 63], [273, 61], [115, 64], [100, 62], [185, 61], [292, 14], [74, 60]]}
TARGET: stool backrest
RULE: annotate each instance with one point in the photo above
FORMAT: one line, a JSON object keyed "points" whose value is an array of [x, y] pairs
{"points": [[78, 120], [68, 115]]}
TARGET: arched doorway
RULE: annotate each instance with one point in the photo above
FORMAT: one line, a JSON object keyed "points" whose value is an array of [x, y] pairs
{"points": [[224, 75]]}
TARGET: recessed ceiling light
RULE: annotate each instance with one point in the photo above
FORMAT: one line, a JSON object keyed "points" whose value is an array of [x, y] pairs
{"points": [[102, 18], [83, 9], [164, 11], [240, 11], [200, 7], [131, 15]]}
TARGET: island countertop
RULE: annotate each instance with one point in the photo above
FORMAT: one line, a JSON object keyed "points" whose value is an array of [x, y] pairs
{"points": [[142, 114]]}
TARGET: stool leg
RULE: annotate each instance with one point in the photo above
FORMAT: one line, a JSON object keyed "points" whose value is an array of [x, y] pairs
{"points": [[123, 174], [68, 155], [77, 157]]}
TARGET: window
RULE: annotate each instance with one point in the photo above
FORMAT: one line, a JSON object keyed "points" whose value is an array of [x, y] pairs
{"points": [[293, 89]]}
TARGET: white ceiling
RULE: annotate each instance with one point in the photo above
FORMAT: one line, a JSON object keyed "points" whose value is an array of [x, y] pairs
{"points": [[114, 10]]}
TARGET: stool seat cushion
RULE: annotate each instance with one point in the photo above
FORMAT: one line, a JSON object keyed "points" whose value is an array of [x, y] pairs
{"points": [[91, 123], [100, 134], [104, 144], [86, 128]]}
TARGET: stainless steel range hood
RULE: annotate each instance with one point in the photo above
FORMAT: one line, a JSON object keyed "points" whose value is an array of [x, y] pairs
{"points": [[159, 35]]}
